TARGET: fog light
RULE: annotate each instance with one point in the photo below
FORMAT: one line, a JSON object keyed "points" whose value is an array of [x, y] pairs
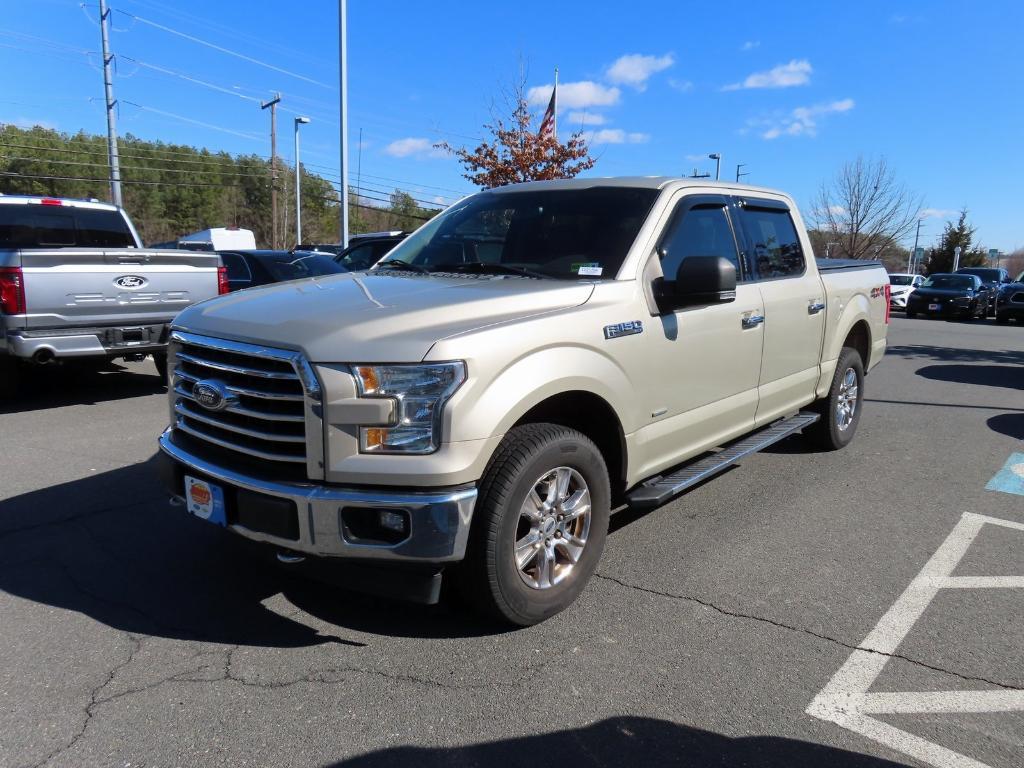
{"points": [[392, 521]]}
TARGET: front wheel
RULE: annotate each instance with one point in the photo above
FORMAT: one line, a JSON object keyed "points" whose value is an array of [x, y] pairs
{"points": [[540, 524], [840, 409], [911, 315], [160, 360]]}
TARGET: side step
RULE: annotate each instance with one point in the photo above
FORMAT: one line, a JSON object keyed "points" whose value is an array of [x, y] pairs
{"points": [[657, 490]]}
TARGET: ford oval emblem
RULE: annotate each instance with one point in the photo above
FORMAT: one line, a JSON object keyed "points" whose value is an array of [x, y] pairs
{"points": [[212, 395], [130, 281]]}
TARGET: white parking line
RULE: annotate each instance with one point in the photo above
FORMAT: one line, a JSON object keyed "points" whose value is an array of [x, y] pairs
{"points": [[846, 701]]}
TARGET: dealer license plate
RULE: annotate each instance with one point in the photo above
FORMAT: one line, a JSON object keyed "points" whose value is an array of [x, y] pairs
{"points": [[205, 500], [934, 307]]}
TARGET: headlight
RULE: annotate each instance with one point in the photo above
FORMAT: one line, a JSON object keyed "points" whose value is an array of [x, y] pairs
{"points": [[420, 392]]}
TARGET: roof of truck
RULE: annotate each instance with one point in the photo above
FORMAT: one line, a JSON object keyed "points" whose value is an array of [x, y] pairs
{"points": [[70, 202], [636, 182]]}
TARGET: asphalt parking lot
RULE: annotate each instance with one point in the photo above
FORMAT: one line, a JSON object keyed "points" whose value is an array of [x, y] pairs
{"points": [[859, 608]]}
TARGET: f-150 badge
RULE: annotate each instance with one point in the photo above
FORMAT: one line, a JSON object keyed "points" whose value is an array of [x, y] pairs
{"points": [[623, 329]]}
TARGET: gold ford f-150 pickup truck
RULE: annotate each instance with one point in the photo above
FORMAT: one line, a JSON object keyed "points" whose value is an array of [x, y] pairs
{"points": [[475, 405]]}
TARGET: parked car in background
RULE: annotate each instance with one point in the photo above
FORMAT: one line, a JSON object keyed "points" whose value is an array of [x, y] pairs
{"points": [[1010, 301], [75, 282], [994, 278], [247, 269], [903, 284], [366, 250], [477, 403], [959, 296]]}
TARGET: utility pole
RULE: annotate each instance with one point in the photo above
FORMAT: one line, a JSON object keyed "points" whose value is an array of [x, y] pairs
{"points": [[108, 88], [913, 253], [343, 84], [738, 174], [273, 165]]}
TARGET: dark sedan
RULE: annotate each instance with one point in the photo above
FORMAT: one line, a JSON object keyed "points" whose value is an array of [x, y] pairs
{"points": [[247, 269], [1010, 301], [994, 279], [951, 295]]}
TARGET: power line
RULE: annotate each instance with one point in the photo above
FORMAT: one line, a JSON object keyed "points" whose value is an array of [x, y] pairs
{"points": [[190, 79], [250, 136], [222, 49]]}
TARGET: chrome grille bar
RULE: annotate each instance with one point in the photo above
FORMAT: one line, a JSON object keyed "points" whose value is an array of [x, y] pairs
{"points": [[183, 410]]}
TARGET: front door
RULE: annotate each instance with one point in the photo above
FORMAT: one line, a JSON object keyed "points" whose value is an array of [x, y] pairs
{"points": [[704, 360]]}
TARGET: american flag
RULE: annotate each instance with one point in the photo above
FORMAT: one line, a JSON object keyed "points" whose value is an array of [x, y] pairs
{"points": [[547, 125]]}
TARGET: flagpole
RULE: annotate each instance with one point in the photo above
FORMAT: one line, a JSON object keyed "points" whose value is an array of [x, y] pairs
{"points": [[555, 115]]}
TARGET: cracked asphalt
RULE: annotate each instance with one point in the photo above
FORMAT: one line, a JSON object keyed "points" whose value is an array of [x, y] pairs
{"points": [[134, 635]]}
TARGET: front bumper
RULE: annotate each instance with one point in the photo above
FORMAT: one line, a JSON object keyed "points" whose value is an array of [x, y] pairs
{"points": [[439, 519], [946, 309], [898, 302], [88, 342]]}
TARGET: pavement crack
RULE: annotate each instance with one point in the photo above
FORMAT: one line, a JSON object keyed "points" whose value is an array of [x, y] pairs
{"points": [[803, 630]]}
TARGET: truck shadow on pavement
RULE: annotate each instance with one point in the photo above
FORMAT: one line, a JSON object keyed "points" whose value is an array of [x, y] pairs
{"points": [[1010, 424], [1008, 376], [956, 355], [56, 386], [110, 546], [625, 741]]}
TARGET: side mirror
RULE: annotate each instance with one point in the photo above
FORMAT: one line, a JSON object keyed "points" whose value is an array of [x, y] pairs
{"points": [[699, 280]]}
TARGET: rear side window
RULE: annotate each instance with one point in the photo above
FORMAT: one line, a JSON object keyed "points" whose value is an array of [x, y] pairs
{"points": [[774, 246], [238, 270], [703, 230], [38, 226], [295, 267]]}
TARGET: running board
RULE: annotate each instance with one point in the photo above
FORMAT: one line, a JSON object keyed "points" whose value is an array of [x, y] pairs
{"points": [[657, 490]]}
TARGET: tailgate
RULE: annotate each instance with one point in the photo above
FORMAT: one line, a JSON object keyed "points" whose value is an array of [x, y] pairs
{"points": [[96, 287]]}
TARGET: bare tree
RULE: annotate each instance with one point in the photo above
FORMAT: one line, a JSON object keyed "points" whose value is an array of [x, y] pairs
{"points": [[865, 209]]}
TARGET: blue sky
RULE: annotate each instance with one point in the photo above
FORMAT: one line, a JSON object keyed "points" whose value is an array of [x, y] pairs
{"points": [[790, 89]]}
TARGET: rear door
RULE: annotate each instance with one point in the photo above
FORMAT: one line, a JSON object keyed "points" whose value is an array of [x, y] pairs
{"points": [[93, 287], [794, 307]]}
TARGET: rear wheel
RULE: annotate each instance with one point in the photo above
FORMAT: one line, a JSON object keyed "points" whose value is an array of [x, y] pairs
{"points": [[10, 376], [539, 526], [840, 409]]}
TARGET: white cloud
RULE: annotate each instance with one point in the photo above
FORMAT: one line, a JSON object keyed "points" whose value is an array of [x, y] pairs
{"points": [[586, 118], [634, 69], [802, 121], [438, 200], [696, 158], [578, 95], [413, 147], [750, 45], [938, 213], [615, 136], [683, 86], [796, 72], [837, 210]]}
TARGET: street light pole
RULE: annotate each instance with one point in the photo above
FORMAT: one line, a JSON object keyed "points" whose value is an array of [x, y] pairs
{"points": [[718, 164], [343, 75], [740, 175], [298, 183], [913, 253], [108, 90]]}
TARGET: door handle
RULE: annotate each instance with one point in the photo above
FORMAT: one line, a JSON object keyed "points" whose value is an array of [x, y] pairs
{"points": [[815, 307], [751, 321]]}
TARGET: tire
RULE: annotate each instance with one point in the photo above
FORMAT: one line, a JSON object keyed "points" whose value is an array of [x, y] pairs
{"points": [[836, 427], [1002, 319], [911, 315], [160, 361], [10, 377], [491, 578]]}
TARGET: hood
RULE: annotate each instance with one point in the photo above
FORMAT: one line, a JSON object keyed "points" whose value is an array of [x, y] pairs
{"points": [[375, 318]]}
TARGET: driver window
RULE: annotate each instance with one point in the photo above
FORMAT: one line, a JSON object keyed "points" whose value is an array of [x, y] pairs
{"points": [[701, 231]]}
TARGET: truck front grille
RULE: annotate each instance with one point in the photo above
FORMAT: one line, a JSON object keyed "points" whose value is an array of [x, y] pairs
{"points": [[259, 401]]}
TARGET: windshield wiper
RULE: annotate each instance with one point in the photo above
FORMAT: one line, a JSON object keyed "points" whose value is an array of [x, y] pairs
{"points": [[399, 264], [481, 267]]}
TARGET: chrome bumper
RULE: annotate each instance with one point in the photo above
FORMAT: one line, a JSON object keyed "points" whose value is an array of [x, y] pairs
{"points": [[439, 520]]}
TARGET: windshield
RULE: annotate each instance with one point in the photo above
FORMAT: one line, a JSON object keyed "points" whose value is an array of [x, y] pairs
{"points": [[564, 233], [958, 282], [987, 275], [900, 279], [60, 226], [295, 266]]}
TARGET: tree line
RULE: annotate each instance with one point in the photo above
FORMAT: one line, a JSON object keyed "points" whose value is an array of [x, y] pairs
{"points": [[171, 190]]}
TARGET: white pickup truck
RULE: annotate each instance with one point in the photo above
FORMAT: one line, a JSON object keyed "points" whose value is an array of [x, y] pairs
{"points": [[75, 282], [476, 404]]}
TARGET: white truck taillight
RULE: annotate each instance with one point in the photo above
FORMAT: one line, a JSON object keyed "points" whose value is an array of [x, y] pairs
{"points": [[12, 291], [222, 280]]}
